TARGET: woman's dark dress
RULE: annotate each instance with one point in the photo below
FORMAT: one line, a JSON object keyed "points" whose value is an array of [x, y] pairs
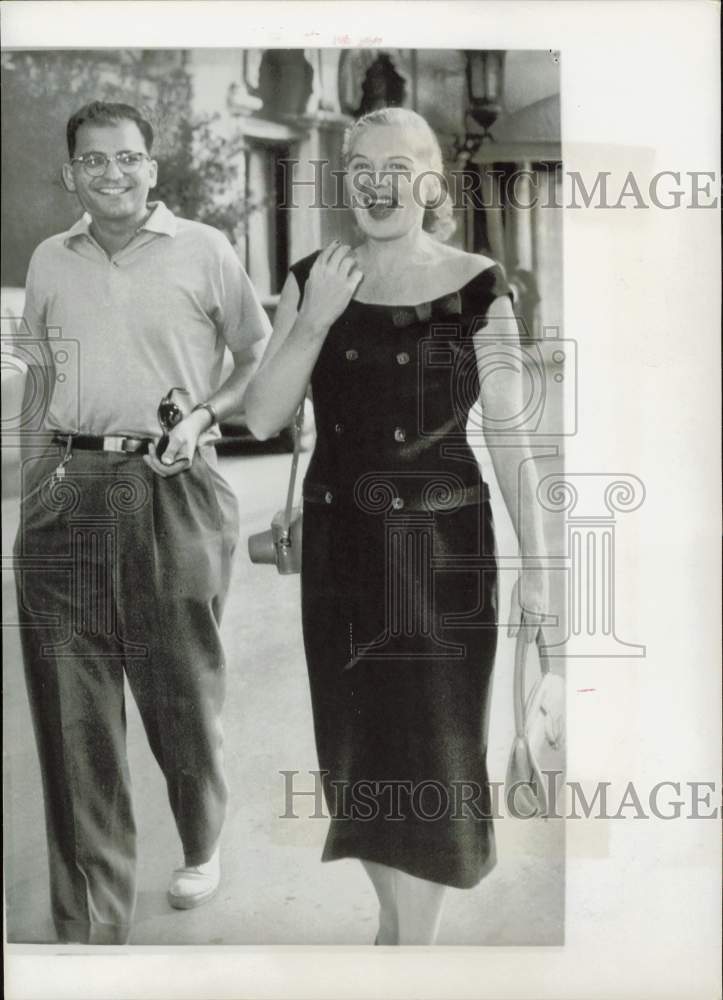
{"points": [[399, 584]]}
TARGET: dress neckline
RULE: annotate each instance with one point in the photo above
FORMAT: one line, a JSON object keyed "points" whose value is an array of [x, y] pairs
{"points": [[426, 302]]}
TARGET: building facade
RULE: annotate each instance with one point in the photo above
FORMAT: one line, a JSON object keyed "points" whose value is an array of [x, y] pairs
{"points": [[267, 155]]}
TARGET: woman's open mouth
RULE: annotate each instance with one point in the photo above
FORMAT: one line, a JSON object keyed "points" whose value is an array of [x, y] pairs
{"points": [[382, 208]]}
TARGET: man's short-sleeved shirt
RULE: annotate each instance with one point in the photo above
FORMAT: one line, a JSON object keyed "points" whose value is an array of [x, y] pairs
{"points": [[159, 313]]}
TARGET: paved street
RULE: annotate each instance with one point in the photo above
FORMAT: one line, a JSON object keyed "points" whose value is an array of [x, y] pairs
{"points": [[275, 891]]}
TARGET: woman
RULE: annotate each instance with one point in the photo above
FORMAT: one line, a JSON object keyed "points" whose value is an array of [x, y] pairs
{"points": [[399, 574]]}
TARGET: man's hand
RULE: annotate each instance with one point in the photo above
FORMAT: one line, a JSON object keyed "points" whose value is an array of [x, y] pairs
{"points": [[181, 447]]}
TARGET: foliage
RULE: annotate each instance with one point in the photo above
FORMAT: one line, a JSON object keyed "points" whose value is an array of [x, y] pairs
{"points": [[49, 85], [199, 177], [198, 167]]}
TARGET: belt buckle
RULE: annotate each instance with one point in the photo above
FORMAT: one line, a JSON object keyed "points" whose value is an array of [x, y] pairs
{"points": [[132, 445], [114, 444]]}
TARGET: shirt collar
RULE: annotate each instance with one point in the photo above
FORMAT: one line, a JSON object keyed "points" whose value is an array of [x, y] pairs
{"points": [[80, 228], [161, 221]]}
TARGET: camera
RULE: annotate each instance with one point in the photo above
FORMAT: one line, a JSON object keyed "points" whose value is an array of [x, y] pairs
{"points": [[278, 545]]}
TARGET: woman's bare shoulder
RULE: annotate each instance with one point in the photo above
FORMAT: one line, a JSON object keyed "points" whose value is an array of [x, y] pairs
{"points": [[464, 265]]}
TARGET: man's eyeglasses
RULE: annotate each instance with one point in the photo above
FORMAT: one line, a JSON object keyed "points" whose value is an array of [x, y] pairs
{"points": [[96, 164]]}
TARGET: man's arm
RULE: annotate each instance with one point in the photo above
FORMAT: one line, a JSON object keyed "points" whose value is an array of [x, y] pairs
{"points": [[228, 398], [246, 329], [29, 343], [184, 438]]}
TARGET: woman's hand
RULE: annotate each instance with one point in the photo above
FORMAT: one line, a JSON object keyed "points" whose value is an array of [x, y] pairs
{"points": [[529, 604], [181, 447], [332, 281]]}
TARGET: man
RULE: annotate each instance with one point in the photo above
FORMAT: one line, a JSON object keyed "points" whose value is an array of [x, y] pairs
{"points": [[123, 557]]}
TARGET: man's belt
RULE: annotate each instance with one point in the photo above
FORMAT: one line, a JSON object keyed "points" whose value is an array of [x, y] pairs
{"points": [[87, 442]]}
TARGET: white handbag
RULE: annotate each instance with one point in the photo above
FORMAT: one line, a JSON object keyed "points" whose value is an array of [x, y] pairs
{"points": [[536, 768]]}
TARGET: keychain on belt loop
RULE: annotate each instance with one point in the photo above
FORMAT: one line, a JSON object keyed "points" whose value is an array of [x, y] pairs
{"points": [[59, 473]]}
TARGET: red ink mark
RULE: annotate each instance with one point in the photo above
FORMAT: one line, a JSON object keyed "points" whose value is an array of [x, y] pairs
{"points": [[342, 39], [583, 690]]}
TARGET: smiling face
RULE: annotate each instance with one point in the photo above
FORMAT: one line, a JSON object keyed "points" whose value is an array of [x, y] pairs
{"points": [[114, 196], [386, 180]]}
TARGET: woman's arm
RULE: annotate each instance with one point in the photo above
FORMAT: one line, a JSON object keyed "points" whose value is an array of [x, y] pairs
{"points": [[501, 392], [274, 394], [278, 386]]}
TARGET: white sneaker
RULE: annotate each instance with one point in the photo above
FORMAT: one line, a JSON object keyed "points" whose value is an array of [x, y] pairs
{"points": [[195, 884]]}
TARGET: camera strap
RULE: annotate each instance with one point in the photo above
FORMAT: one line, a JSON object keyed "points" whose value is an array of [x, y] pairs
{"points": [[298, 424]]}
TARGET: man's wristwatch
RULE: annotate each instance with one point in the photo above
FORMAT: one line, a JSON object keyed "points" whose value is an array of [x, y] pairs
{"points": [[211, 412]]}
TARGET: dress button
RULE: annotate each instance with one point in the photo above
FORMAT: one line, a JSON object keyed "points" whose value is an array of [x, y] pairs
{"points": [[328, 496], [402, 358], [397, 503], [400, 434], [352, 355], [339, 428]]}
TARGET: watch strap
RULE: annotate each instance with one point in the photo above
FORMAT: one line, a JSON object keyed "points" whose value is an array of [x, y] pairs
{"points": [[211, 412]]}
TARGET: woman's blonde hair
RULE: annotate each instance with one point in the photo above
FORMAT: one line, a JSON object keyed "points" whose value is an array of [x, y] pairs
{"points": [[438, 219]]}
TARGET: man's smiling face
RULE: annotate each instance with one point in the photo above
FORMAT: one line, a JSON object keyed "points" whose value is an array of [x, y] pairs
{"points": [[115, 196]]}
